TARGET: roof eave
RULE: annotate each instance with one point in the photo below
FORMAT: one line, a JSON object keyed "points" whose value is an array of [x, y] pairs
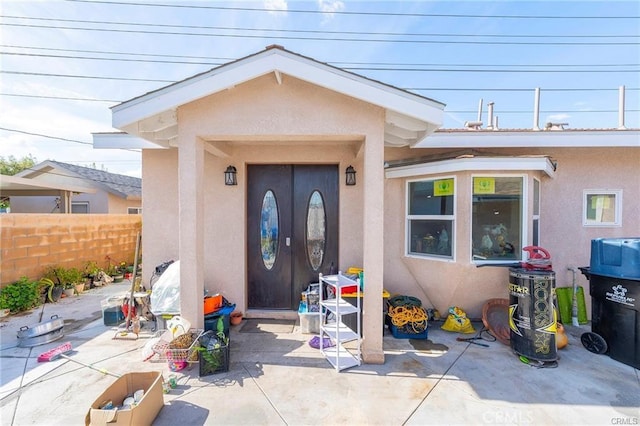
{"points": [[121, 140], [531, 138], [19, 186], [515, 163]]}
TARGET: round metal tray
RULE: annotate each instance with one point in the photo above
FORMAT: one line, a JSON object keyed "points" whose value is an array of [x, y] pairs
{"points": [[42, 339], [55, 323]]}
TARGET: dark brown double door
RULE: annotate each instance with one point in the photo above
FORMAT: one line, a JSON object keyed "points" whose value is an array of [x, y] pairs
{"points": [[292, 234]]}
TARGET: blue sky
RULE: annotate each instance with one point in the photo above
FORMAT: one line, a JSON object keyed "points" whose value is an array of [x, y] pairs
{"points": [[459, 53]]}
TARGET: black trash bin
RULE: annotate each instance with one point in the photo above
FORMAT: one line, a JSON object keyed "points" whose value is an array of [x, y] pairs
{"points": [[532, 319], [614, 286]]}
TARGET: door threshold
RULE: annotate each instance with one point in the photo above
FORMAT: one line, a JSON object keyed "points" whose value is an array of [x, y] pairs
{"points": [[272, 314]]}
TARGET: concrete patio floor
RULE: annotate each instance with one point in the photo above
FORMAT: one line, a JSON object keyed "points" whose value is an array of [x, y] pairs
{"points": [[278, 379]]}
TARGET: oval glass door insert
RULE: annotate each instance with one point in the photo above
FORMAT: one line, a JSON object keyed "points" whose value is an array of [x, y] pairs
{"points": [[269, 229], [316, 230]]}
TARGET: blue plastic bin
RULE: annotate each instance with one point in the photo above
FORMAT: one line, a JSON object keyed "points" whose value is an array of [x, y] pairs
{"points": [[616, 257]]}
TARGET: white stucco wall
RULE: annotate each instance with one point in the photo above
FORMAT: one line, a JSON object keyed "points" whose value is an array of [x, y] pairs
{"points": [[159, 215]]}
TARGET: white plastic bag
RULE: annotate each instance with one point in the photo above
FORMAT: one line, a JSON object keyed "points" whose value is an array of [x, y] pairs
{"points": [[165, 294]]}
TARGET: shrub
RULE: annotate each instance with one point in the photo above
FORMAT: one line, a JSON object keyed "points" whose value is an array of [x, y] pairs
{"points": [[21, 295]]}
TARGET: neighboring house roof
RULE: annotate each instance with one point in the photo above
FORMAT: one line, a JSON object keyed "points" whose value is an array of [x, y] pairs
{"points": [[123, 186], [409, 117], [19, 186]]}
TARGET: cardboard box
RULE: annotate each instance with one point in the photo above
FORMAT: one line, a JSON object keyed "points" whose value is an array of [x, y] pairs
{"points": [[142, 414]]}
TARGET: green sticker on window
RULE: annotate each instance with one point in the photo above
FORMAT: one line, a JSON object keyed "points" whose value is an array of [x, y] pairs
{"points": [[443, 187], [484, 185]]}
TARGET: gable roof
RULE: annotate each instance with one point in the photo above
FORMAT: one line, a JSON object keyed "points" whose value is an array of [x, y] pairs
{"points": [[409, 117], [123, 186]]}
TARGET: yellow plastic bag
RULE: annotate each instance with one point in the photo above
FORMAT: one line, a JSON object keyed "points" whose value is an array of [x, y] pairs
{"points": [[458, 322]]}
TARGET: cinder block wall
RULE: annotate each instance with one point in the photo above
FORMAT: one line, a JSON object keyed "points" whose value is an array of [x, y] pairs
{"points": [[30, 243]]}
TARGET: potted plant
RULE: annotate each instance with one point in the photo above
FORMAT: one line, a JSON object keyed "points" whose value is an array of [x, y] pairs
{"points": [[50, 289], [110, 270], [76, 282], [68, 290], [235, 318], [119, 272], [113, 270], [53, 282], [71, 277], [92, 273]]}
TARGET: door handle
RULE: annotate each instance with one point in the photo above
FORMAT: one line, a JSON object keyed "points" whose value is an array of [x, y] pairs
{"points": [[287, 241]]}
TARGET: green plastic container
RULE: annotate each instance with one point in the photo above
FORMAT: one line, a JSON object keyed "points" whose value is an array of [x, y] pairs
{"points": [[564, 296]]}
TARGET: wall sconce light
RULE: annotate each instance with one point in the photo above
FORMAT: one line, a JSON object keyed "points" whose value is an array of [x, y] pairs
{"points": [[350, 175], [230, 176]]}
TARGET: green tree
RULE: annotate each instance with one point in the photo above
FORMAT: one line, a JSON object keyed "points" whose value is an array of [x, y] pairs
{"points": [[11, 165]]}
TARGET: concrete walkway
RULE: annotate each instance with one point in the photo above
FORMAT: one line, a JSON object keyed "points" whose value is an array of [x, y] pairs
{"points": [[278, 379]]}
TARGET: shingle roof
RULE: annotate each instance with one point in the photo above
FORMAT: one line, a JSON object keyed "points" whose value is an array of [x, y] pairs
{"points": [[122, 185]]}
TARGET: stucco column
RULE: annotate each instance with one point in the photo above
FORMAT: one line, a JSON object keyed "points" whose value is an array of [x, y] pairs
{"points": [[191, 213], [373, 249]]}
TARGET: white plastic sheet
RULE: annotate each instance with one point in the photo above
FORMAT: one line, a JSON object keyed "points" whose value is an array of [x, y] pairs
{"points": [[165, 295]]}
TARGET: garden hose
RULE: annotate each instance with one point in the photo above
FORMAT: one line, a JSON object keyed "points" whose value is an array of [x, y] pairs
{"points": [[404, 301], [407, 311]]}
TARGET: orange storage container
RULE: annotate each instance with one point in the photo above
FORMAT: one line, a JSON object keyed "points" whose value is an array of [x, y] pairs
{"points": [[212, 303]]}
